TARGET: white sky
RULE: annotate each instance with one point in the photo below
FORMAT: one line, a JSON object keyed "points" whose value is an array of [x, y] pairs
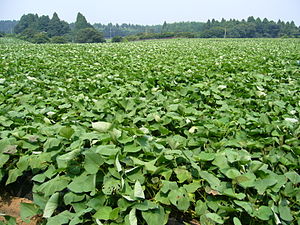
{"points": [[153, 11]]}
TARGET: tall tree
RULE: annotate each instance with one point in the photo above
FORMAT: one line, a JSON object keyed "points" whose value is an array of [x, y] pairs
{"points": [[57, 27], [164, 27], [26, 21], [43, 23], [81, 22]]}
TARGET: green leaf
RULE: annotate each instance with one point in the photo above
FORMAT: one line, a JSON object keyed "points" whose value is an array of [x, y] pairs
{"points": [[72, 197], [215, 217], [83, 183], [3, 159], [92, 162], [293, 177], [51, 143], [146, 205], [232, 173], [51, 205], [236, 221], [138, 190], [132, 217], [200, 208], [27, 211], [264, 213], [66, 132], [107, 150], [101, 126], [211, 179], [204, 156], [155, 216], [229, 192], [284, 211], [262, 184], [63, 160], [110, 185], [103, 213], [118, 164], [54, 185], [245, 205], [179, 199], [13, 175], [62, 218], [132, 148], [192, 187], [182, 174]]}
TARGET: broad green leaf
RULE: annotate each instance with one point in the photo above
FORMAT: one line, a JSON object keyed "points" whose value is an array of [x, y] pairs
{"points": [[146, 205], [293, 177], [13, 175], [83, 183], [110, 185], [179, 199], [92, 162], [236, 221], [66, 132], [51, 143], [101, 126], [63, 160], [284, 211], [200, 208], [215, 217], [168, 185], [204, 156], [138, 190], [264, 213], [103, 213], [132, 217], [62, 218], [229, 192], [118, 164], [28, 210], [247, 206], [72, 197], [182, 174], [154, 216], [54, 185], [262, 184], [211, 179], [51, 205], [107, 150], [132, 148], [3, 159]]}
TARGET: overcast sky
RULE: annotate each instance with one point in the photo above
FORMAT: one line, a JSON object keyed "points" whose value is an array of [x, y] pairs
{"points": [[153, 11]]}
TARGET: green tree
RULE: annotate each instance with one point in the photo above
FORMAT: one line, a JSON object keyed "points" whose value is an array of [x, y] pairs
{"points": [[117, 39], [81, 22], [164, 27], [40, 38], [57, 27], [59, 39], [43, 23], [89, 35], [26, 21]]}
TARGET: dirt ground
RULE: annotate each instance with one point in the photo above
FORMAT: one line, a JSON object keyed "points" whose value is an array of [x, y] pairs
{"points": [[11, 206]]}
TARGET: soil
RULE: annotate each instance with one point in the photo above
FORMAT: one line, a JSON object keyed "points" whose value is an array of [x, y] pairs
{"points": [[11, 206]]}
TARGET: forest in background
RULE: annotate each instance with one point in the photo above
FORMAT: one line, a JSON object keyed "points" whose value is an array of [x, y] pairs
{"points": [[42, 29]]}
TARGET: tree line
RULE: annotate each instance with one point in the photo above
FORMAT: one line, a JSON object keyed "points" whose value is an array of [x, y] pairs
{"points": [[42, 29]]}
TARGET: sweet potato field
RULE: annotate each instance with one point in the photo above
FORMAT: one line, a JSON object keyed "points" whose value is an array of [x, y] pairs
{"points": [[155, 132]]}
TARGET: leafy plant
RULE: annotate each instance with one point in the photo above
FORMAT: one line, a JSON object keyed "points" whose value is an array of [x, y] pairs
{"points": [[145, 132]]}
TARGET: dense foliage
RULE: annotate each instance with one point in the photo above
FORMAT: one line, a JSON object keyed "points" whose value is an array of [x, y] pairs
{"points": [[250, 28], [139, 132]]}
